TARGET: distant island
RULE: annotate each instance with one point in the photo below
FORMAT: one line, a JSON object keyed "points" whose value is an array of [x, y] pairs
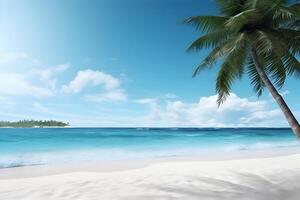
{"points": [[32, 124]]}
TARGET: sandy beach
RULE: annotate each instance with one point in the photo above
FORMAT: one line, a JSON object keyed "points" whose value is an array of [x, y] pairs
{"points": [[149, 100], [243, 179]]}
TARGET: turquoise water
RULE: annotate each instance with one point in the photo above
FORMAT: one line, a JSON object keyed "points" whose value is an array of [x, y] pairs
{"points": [[20, 147]]}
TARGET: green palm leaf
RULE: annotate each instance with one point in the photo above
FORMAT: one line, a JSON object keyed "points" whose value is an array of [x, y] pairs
{"points": [[230, 7], [219, 52], [262, 43], [276, 69], [210, 40], [207, 23], [258, 85], [231, 69], [238, 21], [285, 42], [292, 65]]}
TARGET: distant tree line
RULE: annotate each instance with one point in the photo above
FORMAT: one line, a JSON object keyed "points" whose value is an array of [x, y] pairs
{"points": [[33, 123]]}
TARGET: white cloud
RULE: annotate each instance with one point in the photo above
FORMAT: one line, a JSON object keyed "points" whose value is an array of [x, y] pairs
{"points": [[235, 112], [247, 113], [47, 75], [21, 74], [110, 85], [91, 77], [17, 84], [262, 117]]}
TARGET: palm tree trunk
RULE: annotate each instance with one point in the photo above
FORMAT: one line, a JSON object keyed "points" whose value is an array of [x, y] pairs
{"points": [[278, 98]]}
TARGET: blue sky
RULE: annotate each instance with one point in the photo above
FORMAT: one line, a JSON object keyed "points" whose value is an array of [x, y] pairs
{"points": [[117, 63]]}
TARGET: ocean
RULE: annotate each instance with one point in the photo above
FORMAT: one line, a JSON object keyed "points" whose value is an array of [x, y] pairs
{"points": [[40, 146]]}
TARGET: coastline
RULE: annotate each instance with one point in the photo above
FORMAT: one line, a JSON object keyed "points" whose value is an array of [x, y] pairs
{"points": [[249, 178], [31, 171], [229, 164], [35, 127], [158, 127]]}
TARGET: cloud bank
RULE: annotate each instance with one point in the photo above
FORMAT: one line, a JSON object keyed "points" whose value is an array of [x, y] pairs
{"points": [[235, 112], [22, 76]]}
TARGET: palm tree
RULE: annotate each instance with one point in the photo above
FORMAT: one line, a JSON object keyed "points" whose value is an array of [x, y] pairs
{"points": [[258, 37]]}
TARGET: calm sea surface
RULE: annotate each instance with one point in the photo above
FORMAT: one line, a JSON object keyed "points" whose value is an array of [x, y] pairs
{"points": [[20, 147]]}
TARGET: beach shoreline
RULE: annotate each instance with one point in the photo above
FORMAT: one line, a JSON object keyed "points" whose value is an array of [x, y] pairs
{"points": [[134, 164], [129, 164], [251, 178]]}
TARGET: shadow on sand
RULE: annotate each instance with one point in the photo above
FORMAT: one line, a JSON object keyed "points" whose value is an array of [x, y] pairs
{"points": [[245, 187]]}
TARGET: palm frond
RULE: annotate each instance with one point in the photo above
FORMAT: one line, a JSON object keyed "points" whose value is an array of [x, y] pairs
{"points": [[210, 40], [266, 6], [283, 15], [289, 33], [276, 69], [238, 21], [219, 52], [288, 40], [207, 23], [282, 60], [230, 7], [231, 69], [261, 42], [294, 24], [256, 82], [292, 65], [271, 50]]}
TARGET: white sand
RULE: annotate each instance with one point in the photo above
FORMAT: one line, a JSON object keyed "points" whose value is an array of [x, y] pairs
{"points": [[248, 179]]}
